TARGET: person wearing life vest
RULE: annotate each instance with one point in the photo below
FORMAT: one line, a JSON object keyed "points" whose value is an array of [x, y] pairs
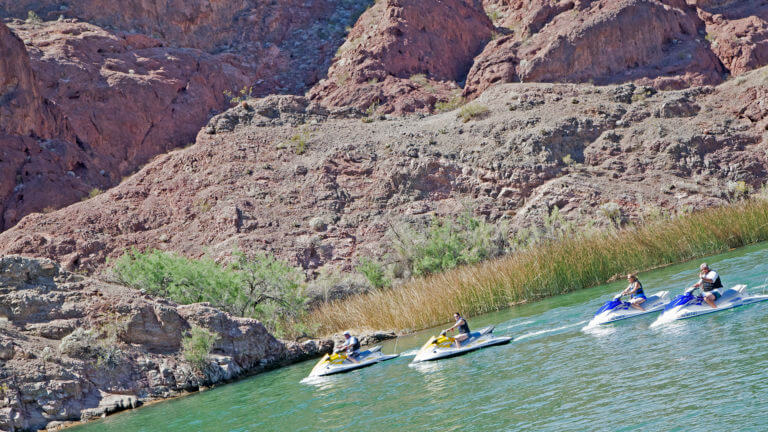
{"points": [[462, 326], [352, 346], [709, 282], [635, 289]]}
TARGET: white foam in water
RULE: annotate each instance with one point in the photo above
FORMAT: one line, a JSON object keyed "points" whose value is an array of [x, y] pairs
{"points": [[516, 325], [409, 353], [545, 331]]}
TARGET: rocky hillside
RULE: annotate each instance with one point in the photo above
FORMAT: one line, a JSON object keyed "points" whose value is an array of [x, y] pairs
{"points": [[105, 86], [99, 88], [122, 124], [285, 175], [74, 348]]}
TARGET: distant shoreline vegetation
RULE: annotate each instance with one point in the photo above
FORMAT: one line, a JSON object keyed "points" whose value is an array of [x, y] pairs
{"points": [[547, 267]]}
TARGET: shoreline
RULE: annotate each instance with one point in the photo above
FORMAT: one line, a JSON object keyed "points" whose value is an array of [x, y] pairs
{"points": [[554, 267], [186, 393]]}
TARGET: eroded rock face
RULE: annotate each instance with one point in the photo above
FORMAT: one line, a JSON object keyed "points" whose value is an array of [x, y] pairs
{"points": [[737, 32], [22, 109], [119, 101], [101, 103], [113, 349], [261, 173], [404, 55], [652, 42], [286, 44]]}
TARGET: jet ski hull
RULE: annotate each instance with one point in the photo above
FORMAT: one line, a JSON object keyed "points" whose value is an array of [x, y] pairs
{"points": [[654, 303], [477, 340], [366, 358], [696, 306]]}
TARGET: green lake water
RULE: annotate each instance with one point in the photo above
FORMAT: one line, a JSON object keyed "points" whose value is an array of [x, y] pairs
{"points": [[708, 373]]}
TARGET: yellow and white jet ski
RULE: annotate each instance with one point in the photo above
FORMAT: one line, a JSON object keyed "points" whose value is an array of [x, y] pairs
{"points": [[338, 362], [442, 346]]}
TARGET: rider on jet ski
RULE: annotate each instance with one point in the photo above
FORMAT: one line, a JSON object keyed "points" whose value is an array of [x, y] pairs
{"points": [[352, 345], [709, 282], [463, 327], [635, 288]]}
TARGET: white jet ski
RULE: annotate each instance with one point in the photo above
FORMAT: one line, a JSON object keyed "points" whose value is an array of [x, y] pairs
{"points": [[338, 362], [442, 346], [687, 305], [616, 310]]}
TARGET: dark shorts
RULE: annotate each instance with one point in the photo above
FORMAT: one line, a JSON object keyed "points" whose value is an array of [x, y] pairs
{"points": [[714, 292]]}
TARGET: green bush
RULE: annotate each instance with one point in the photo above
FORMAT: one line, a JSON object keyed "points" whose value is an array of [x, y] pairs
{"points": [[374, 272], [196, 345], [448, 243], [260, 287]]}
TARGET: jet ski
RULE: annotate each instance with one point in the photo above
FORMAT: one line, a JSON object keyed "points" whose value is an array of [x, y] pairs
{"points": [[688, 305], [338, 362], [616, 310], [442, 346]]}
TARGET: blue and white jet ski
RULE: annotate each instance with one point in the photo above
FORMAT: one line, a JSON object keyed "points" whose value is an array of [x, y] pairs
{"points": [[616, 310], [338, 362], [442, 346], [688, 305]]}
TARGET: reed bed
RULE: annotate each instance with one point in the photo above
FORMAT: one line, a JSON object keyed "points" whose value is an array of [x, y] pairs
{"points": [[548, 269]]}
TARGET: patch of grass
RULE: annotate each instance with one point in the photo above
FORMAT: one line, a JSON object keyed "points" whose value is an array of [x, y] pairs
{"points": [[95, 192], [33, 18], [196, 345], [494, 16], [451, 104], [203, 205], [571, 263], [239, 96], [739, 190], [473, 111], [299, 141]]}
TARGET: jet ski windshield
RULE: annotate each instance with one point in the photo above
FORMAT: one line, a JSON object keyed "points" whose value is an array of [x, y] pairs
{"points": [[610, 304], [679, 301]]}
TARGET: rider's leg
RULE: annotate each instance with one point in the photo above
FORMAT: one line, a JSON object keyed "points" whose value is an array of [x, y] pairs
{"points": [[637, 302], [710, 299]]}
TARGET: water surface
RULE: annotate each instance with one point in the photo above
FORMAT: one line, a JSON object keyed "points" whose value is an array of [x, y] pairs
{"points": [[702, 374]]}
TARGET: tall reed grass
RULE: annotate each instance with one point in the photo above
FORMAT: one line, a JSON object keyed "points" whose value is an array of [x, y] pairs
{"points": [[547, 269]]}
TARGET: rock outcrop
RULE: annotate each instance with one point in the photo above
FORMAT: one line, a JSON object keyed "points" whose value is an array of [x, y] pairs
{"points": [[91, 105], [74, 348], [737, 32], [660, 43], [287, 45], [121, 100], [405, 55], [284, 175]]}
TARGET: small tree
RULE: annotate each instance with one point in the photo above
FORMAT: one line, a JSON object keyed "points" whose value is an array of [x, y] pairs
{"points": [[271, 289]]}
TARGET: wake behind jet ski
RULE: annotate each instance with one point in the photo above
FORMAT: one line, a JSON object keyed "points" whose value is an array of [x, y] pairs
{"points": [[339, 362], [688, 305], [616, 310], [442, 346]]}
